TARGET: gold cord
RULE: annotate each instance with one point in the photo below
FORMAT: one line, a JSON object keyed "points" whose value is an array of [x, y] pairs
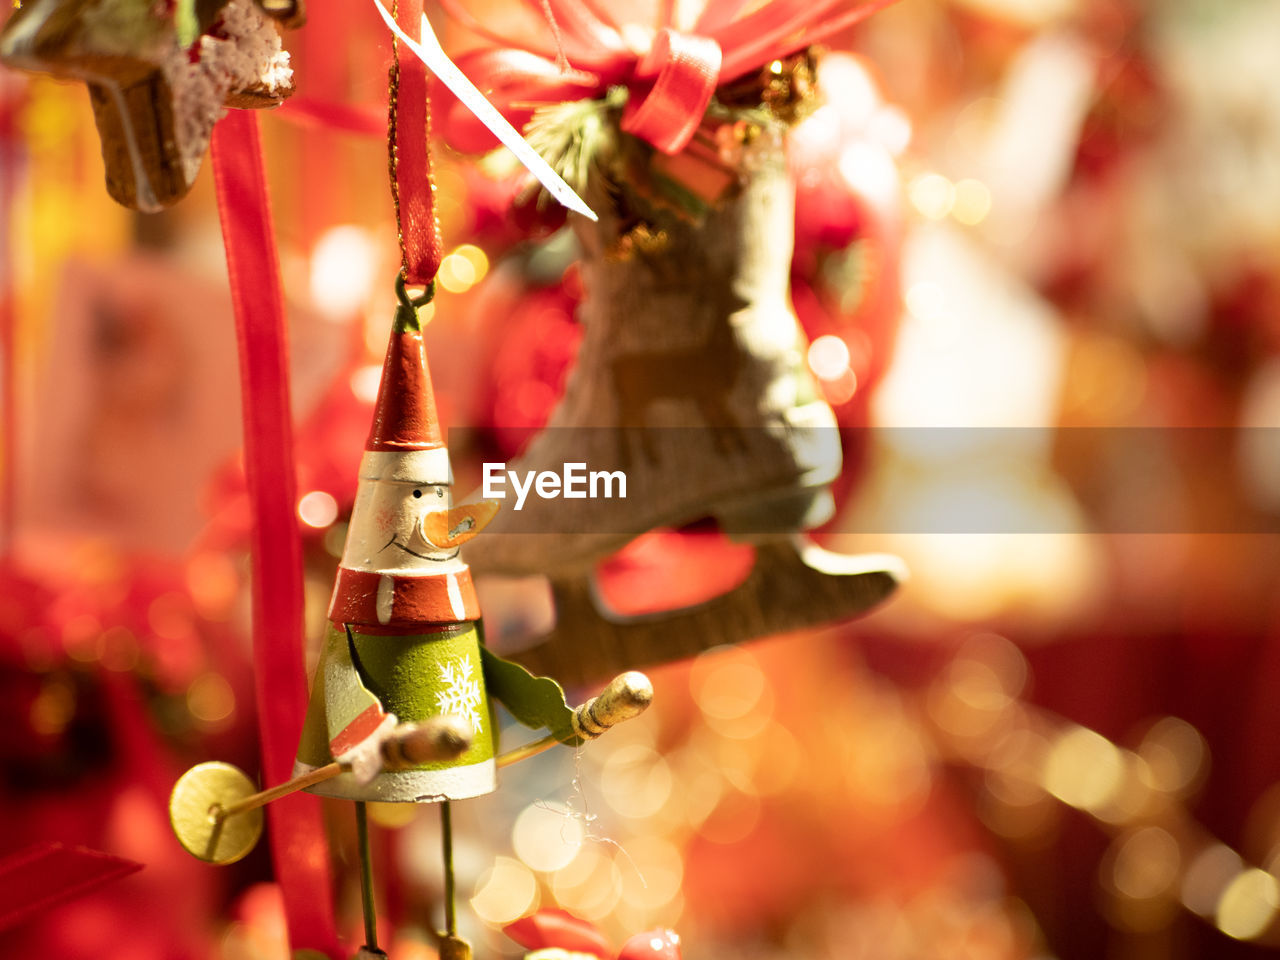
{"points": [[393, 94]]}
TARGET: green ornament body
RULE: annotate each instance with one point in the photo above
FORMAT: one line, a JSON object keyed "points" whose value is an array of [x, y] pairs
{"points": [[414, 676]]}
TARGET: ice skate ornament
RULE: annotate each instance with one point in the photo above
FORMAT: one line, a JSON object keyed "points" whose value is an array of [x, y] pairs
{"points": [[401, 702], [159, 77], [691, 378], [766, 481]]}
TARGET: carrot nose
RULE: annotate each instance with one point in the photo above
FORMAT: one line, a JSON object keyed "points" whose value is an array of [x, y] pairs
{"points": [[457, 525]]}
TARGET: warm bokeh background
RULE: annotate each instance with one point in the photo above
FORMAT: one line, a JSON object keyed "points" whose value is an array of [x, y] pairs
{"points": [[1062, 223]]}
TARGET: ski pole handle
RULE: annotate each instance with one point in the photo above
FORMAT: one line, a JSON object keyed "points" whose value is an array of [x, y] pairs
{"points": [[627, 695]]}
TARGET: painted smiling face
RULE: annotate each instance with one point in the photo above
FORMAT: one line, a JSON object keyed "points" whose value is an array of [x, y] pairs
{"points": [[405, 524]]}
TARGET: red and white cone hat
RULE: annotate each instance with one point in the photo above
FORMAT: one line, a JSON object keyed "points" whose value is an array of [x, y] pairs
{"points": [[405, 442]]}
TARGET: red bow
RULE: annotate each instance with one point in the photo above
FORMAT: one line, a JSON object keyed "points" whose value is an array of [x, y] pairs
{"points": [[670, 74]]}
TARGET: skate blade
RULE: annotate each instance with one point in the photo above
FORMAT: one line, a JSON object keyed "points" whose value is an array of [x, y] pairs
{"points": [[793, 585]]}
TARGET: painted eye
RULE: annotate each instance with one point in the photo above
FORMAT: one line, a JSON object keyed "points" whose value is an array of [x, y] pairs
{"points": [[417, 494], [439, 491]]}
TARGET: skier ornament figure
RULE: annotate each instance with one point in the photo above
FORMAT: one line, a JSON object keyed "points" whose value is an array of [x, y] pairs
{"points": [[400, 707], [402, 643]]}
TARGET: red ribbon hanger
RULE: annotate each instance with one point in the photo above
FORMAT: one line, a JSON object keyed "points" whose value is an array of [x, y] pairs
{"points": [[408, 134], [299, 849]]}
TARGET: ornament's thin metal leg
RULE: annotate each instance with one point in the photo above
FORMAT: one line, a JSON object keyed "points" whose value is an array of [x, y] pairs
{"points": [[366, 878], [446, 832]]}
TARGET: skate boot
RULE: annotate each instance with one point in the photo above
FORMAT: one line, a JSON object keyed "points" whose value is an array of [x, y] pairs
{"points": [[690, 381]]}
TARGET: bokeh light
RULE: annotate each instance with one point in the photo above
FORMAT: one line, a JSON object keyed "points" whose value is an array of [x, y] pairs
{"points": [[828, 357], [636, 781], [591, 885], [972, 202], [1146, 864], [505, 892], [933, 195], [364, 382], [462, 269], [1248, 905], [211, 699], [547, 836], [1207, 876], [1084, 769], [1175, 755], [318, 509], [343, 271]]}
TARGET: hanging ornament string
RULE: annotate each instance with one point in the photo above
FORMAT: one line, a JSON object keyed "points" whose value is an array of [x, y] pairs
{"points": [[409, 157], [298, 847], [8, 357], [13, 157]]}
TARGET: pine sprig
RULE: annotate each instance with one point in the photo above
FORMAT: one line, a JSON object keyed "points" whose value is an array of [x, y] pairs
{"points": [[574, 136]]}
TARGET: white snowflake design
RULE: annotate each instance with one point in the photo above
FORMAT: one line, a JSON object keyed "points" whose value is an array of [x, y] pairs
{"points": [[461, 695]]}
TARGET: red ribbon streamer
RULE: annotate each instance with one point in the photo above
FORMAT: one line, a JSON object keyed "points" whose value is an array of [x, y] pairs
{"points": [[42, 876], [419, 232], [298, 846], [670, 82], [10, 155]]}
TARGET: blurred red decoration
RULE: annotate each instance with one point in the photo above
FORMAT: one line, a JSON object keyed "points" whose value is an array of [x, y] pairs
{"points": [[45, 874], [586, 49], [553, 930], [558, 928], [653, 945]]}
